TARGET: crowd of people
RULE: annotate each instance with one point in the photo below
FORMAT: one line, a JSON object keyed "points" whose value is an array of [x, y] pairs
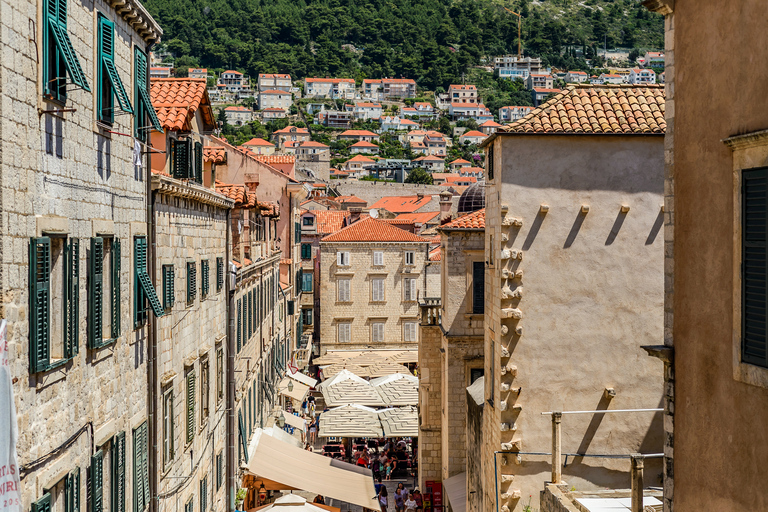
{"points": [[382, 463], [403, 499]]}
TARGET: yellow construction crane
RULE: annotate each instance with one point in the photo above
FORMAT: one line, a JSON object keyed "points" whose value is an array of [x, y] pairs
{"points": [[519, 26]]}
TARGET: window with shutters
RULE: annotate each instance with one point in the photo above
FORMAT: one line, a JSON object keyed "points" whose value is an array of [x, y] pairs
{"points": [[344, 332], [190, 505], [343, 290], [378, 258], [141, 468], [146, 118], [197, 163], [754, 273], [180, 158], [59, 58], [219, 373], [169, 277], [54, 301], [309, 220], [409, 290], [168, 437], [342, 258], [243, 439], [478, 287], [410, 331], [249, 314], [219, 274], [191, 282], [117, 458], [377, 332], [410, 258], [44, 504], [71, 491], [306, 251], [204, 494], [297, 232], [239, 324], [205, 390], [190, 405], [306, 281], [143, 290], [307, 316], [489, 161], [103, 291], [204, 274], [109, 85], [377, 289], [219, 469], [97, 482]]}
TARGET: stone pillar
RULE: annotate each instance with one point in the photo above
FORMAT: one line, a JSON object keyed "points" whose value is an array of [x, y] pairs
{"points": [[557, 448], [445, 206], [638, 463]]}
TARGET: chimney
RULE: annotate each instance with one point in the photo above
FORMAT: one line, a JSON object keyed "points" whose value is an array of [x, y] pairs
{"points": [[354, 214], [445, 206], [419, 196]]}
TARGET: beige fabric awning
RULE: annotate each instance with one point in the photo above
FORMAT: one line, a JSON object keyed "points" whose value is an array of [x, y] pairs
{"points": [[397, 389], [350, 421], [294, 421], [347, 388], [396, 355], [387, 368], [399, 421], [299, 390], [456, 490], [295, 468], [302, 377]]}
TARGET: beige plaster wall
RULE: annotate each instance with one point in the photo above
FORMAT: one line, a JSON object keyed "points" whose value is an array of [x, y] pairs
{"points": [[592, 294]]}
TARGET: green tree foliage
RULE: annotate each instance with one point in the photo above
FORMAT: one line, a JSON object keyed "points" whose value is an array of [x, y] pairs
{"points": [[431, 41], [419, 176]]}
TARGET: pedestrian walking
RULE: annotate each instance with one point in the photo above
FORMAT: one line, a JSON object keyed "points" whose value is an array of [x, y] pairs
{"points": [[400, 495], [313, 432], [410, 503], [383, 498], [419, 499]]}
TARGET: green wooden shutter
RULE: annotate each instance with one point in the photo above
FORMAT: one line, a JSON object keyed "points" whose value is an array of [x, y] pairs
{"points": [[43, 504], [140, 468], [97, 482], [72, 298], [239, 323], [219, 470], [95, 292], [106, 31], [190, 406], [143, 289], [168, 286], [118, 473], [219, 274], [141, 99], [115, 295], [181, 159], [56, 21], [754, 348], [72, 491], [243, 442], [39, 303], [198, 163], [204, 494], [191, 281], [205, 271]]}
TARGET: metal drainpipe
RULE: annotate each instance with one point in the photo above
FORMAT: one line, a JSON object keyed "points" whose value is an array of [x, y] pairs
{"points": [[230, 351]]}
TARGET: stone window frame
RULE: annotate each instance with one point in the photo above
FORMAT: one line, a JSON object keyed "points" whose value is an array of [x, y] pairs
{"points": [[383, 280], [411, 321], [472, 256], [750, 151], [348, 324], [339, 297], [378, 323]]}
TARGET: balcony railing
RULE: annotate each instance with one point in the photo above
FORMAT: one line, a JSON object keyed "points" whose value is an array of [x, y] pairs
{"points": [[430, 310]]}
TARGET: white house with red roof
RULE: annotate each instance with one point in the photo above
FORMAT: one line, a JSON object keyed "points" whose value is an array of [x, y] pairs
{"points": [[358, 135], [462, 93], [513, 112], [389, 88], [365, 147], [435, 143], [638, 76], [367, 110], [275, 98], [197, 73], [473, 137], [330, 88], [539, 81], [403, 204], [489, 127], [611, 78], [476, 111], [357, 163], [275, 82], [430, 162], [260, 146], [290, 133], [576, 77], [459, 163], [238, 116], [160, 72], [232, 81], [397, 123]]}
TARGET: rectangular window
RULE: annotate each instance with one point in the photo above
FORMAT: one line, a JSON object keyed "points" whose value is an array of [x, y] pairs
{"points": [[754, 225], [306, 281], [190, 505], [204, 389], [103, 292], [59, 57], [205, 285], [410, 293], [168, 286], [97, 481], [239, 324], [474, 374], [180, 158], [307, 316], [219, 274], [342, 258], [118, 473], [344, 332], [191, 282], [377, 289], [478, 287], [204, 494], [308, 221], [168, 448], [145, 112], [219, 373], [410, 258], [143, 290], [377, 332], [297, 230], [190, 405], [343, 290], [306, 251], [378, 258], [410, 331], [109, 83], [219, 470], [140, 468], [43, 504], [197, 163], [72, 492]]}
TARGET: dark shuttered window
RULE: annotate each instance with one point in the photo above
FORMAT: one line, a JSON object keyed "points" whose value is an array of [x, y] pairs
{"points": [[143, 290], [219, 274], [191, 282], [141, 468], [118, 473], [95, 292], [190, 406], [97, 482], [109, 84], [754, 348], [168, 286], [478, 287]]}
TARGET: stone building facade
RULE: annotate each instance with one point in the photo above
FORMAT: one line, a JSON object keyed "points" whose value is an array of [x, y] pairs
{"points": [[569, 227], [371, 276], [73, 205]]}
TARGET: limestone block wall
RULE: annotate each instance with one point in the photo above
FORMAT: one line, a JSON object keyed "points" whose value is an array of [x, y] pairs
{"points": [[577, 329], [460, 248], [430, 404], [188, 337], [63, 173], [361, 311]]}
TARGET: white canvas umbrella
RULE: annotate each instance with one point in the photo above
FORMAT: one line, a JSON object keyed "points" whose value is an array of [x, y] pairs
{"points": [[291, 503]]}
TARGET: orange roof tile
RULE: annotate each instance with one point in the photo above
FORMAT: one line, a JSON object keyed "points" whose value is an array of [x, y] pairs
{"points": [[588, 109], [461, 179], [349, 199], [238, 193], [491, 123], [215, 154], [361, 158], [176, 99], [237, 109], [372, 230], [312, 144], [435, 254], [422, 217], [460, 161], [276, 159], [257, 142], [273, 75], [402, 204], [364, 144], [274, 91], [473, 133], [233, 72], [358, 133], [474, 220], [288, 129], [269, 208], [329, 221]]}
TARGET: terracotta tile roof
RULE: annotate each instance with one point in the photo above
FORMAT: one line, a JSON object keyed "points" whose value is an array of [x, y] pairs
{"points": [[274, 110], [402, 204], [460, 161], [467, 105], [490, 123], [431, 158], [472, 169], [237, 109], [215, 154], [398, 81], [435, 254], [422, 217], [461, 179], [312, 144], [473, 133], [349, 199], [368, 105], [598, 110], [364, 144], [238, 193], [276, 159], [330, 80], [269, 208], [577, 73], [372, 230], [408, 121], [273, 75], [233, 72], [545, 90], [288, 129], [361, 158], [358, 133], [422, 104], [329, 221], [177, 99], [474, 220], [257, 142], [245, 263], [274, 91], [461, 87]]}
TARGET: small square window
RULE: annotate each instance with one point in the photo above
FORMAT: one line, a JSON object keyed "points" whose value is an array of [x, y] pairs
{"points": [[410, 258]]}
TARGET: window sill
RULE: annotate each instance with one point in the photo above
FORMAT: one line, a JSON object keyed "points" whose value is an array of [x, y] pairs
{"points": [[750, 374]]}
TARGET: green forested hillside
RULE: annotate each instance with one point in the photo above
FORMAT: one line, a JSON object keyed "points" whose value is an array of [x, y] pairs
{"points": [[432, 41]]}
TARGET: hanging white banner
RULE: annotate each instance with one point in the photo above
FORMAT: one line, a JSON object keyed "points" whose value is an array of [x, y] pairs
{"points": [[10, 485]]}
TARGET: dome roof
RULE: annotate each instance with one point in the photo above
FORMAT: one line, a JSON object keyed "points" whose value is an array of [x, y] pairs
{"points": [[472, 199]]}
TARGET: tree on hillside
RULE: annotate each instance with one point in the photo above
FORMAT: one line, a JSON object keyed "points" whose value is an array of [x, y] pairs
{"points": [[419, 176]]}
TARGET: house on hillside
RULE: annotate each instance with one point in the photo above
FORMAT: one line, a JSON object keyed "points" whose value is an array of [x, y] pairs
{"points": [[364, 147], [260, 146], [513, 113], [489, 127], [367, 110], [290, 133], [462, 93], [472, 137], [275, 98], [358, 135], [329, 88], [238, 116], [539, 81]]}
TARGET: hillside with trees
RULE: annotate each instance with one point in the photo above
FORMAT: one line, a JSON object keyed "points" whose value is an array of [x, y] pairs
{"points": [[431, 41]]}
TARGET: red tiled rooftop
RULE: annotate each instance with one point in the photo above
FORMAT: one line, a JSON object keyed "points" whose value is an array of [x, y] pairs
{"points": [[490, 123], [474, 220], [372, 230], [257, 142], [288, 129], [215, 154], [358, 133], [402, 204], [422, 217], [329, 221], [349, 199], [364, 144], [460, 179], [276, 159], [361, 158], [238, 193], [473, 133], [435, 254], [312, 144], [273, 91], [460, 161], [176, 99]]}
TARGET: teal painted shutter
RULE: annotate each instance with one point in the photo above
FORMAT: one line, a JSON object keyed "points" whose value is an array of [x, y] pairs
{"points": [[204, 494], [107, 62], [97, 482], [72, 491], [39, 303], [181, 159], [95, 292], [143, 289], [239, 324], [754, 348], [243, 442], [72, 299], [117, 254], [219, 274], [56, 20], [141, 99], [118, 473], [198, 163], [140, 473], [190, 406], [43, 504], [206, 277], [191, 281], [250, 314], [168, 286], [219, 470]]}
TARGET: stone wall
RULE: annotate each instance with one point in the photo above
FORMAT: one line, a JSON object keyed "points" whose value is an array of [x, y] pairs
{"points": [[474, 443], [554, 499], [430, 413]]}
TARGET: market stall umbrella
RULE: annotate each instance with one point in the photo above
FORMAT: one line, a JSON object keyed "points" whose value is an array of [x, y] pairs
{"points": [[334, 369], [347, 388], [399, 421], [288, 467], [301, 377], [366, 359], [350, 421], [397, 389], [293, 389], [331, 358], [385, 368], [294, 503], [404, 357]]}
